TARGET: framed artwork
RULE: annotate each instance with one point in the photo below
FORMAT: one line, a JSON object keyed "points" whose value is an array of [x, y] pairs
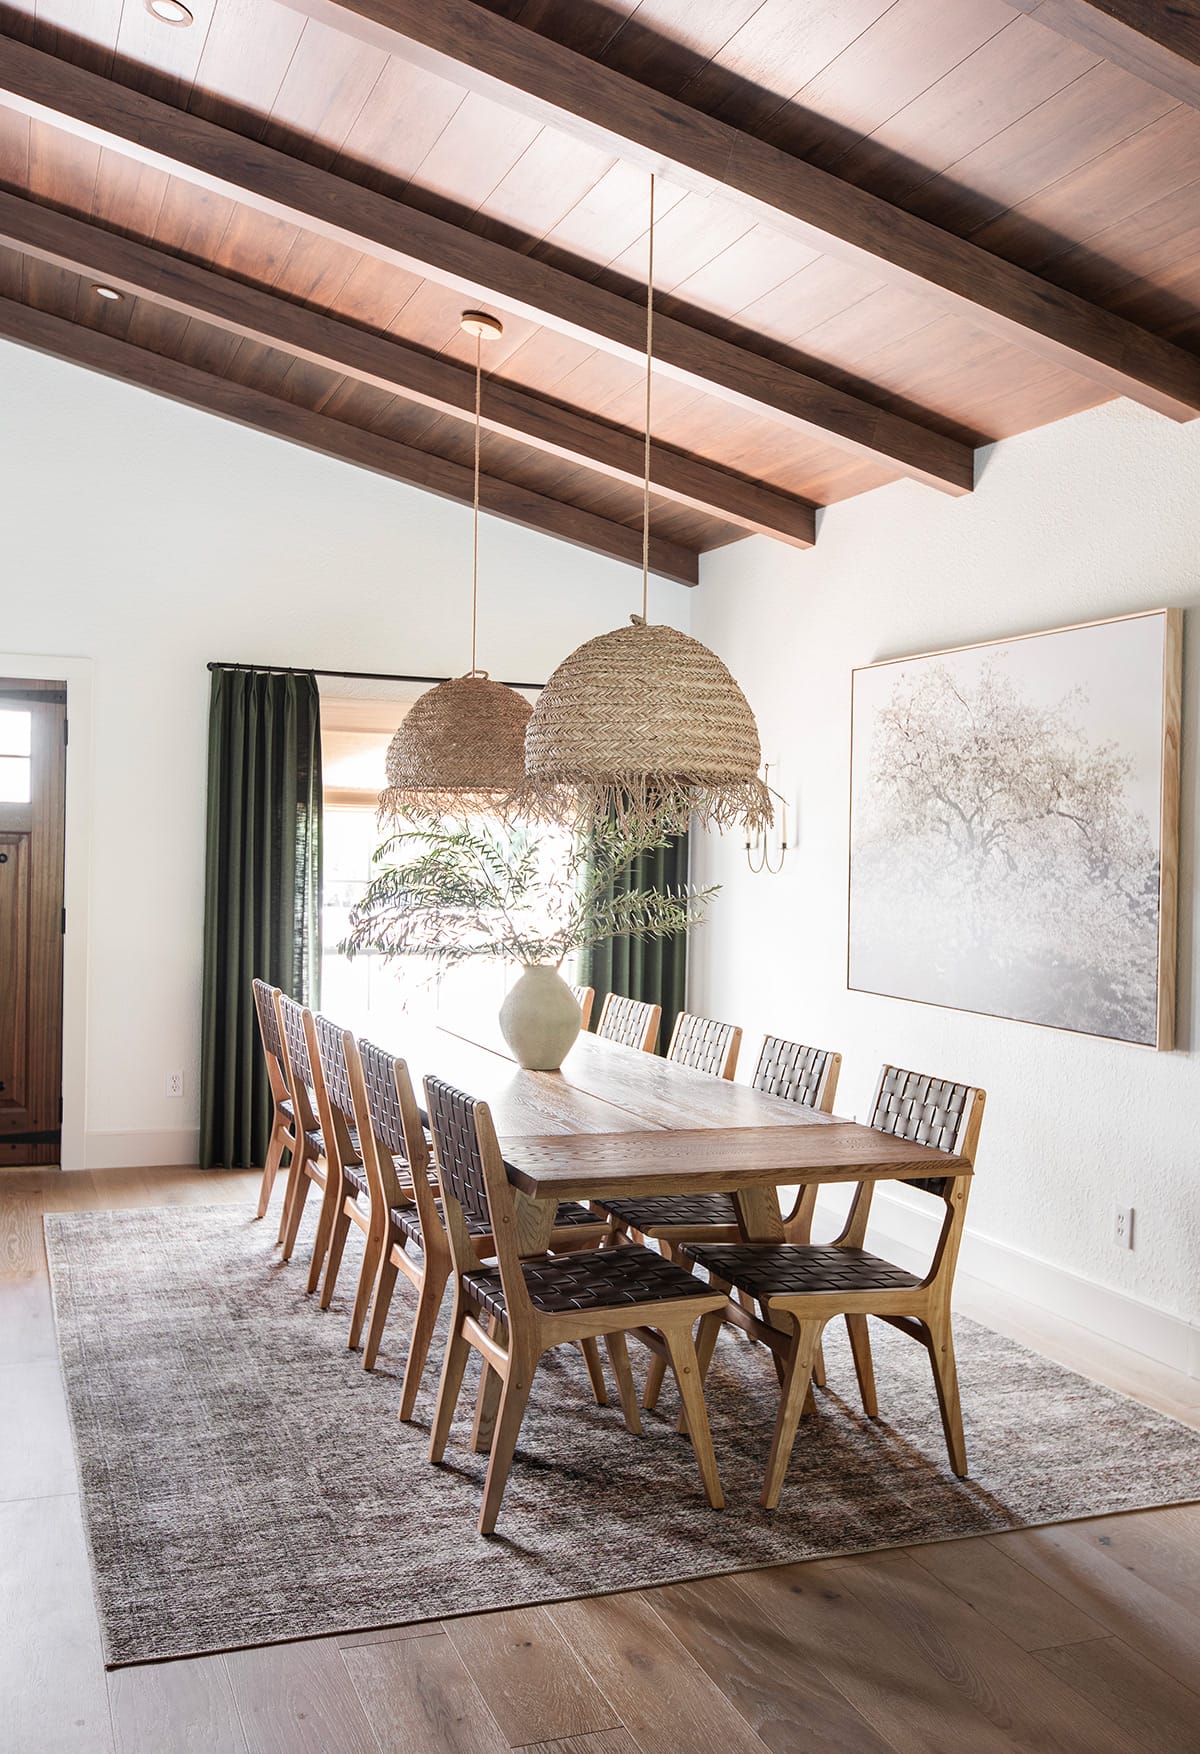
{"points": [[1014, 827]]}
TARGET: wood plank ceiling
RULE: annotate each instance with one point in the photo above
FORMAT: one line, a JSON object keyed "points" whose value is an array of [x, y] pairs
{"points": [[889, 231]]}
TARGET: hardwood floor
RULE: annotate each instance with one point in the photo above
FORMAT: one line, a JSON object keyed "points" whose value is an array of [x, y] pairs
{"points": [[1076, 1639]]}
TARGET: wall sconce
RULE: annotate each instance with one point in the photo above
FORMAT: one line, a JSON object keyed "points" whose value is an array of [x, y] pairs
{"points": [[759, 856]]}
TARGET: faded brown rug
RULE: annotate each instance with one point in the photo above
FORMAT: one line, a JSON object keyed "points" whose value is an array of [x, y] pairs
{"points": [[245, 1481]]}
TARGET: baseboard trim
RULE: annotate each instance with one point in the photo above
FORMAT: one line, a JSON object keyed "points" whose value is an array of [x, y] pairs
{"points": [[905, 1233], [143, 1149]]}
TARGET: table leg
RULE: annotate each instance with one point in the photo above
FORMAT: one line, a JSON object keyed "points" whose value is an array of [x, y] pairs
{"points": [[758, 1214]]}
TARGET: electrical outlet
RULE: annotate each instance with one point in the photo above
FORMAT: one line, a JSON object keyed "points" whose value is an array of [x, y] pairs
{"points": [[174, 1083], [1123, 1227]]}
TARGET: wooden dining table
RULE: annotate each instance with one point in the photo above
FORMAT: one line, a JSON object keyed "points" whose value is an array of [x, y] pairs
{"points": [[619, 1123]]}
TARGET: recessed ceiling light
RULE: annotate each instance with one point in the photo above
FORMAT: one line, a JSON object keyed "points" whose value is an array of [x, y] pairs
{"points": [[109, 292], [169, 12]]}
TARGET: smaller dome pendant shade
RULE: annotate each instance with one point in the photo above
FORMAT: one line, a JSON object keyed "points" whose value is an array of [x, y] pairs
{"points": [[460, 751], [647, 725]]}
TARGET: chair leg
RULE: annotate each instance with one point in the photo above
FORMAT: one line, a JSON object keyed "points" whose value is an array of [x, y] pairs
{"points": [[381, 1303], [595, 1370], [945, 1376], [514, 1399], [818, 1375], [294, 1206], [331, 1205], [289, 1190], [367, 1277], [686, 1365], [450, 1386], [655, 1376], [429, 1303], [274, 1154], [618, 1352], [706, 1344], [338, 1231], [864, 1367], [487, 1400], [795, 1392]]}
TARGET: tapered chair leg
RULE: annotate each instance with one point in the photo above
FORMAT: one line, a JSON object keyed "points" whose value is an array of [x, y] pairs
{"points": [[331, 1205], [429, 1303], [274, 1156], [595, 1370], [818, 1371], [618, 1352], [686, 1366], [381, 1303], [367, 1279], [514, 1399], [487, 1400], [339, 1230], [796, 1388], [864, 1366], [706, 1344], [294, 1209], [945, 1376], [450, 1386], [655, 1376]]}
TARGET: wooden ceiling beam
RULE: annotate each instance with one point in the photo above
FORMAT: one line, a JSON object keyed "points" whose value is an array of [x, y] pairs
{"points": [[1157, 43], [389, 365], [464, 42], [245, 170], [334, 438]]}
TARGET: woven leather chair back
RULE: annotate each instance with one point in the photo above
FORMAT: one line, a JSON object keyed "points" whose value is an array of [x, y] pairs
{"points": [[787, 1069], [292, 1017], [379, 1077], [264, 1004], [929, 1111], [705, 1045], [585, 998], [333, 1066], [630, 1022], [456, 1143]]}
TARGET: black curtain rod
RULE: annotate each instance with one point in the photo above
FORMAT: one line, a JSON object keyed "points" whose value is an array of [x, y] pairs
{"points": [[352, 675]]}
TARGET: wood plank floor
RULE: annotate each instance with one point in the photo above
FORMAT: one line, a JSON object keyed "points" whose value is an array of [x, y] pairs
{"points": [[1079, 1639]]}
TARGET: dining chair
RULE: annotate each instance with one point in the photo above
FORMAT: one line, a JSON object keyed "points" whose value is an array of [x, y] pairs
{"points": [[585, 998], [799, 1287], [705, 1045], [807, 1076], [283, 1111], [529, 1303], [629, 1021], [308, 1163], [349, 1196]]}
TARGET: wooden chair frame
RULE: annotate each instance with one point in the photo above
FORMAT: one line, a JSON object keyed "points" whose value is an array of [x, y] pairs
{"points": [[341, 1189], [308, 1161], [705, 1045], [585, 998], [633, 1022], [510, 1350], [283, 1108], [791, 1324]]}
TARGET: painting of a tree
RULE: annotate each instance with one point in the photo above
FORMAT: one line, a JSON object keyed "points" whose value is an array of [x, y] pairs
{"points": [[1006, 824]]}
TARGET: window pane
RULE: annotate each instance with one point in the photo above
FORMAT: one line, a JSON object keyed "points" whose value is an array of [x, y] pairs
{"points": [[15, 776], [15, 731]]}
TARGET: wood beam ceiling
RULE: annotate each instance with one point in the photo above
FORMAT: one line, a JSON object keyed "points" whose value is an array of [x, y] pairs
{"points": [[462, 41], [334, 438], [302, 194], [1157, 43], [389, 365]]}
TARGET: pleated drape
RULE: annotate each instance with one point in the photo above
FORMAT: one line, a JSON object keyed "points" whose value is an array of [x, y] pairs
{"points": [[653, 970], [262, 892]]}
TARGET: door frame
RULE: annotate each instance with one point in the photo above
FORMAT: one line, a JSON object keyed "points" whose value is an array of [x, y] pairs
{"points": [[78, 675]]}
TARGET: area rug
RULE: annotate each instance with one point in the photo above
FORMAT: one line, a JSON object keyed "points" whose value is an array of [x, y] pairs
{"points": [[245, 1481]]}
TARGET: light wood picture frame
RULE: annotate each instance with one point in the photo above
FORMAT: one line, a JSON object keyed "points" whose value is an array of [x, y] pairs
{"points": [[1014, 827]]}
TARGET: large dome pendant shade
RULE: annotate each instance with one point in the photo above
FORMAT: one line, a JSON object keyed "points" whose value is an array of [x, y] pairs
{"points": [[460, 750], [647, 726]]}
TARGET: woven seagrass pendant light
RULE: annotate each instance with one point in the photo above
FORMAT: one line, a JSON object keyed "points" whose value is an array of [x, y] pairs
{"points": [[460, 750], [646, 724]]}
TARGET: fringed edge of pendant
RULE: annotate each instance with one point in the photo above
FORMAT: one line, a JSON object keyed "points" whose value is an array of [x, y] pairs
{"points": [[527, 803], [667, 803]]}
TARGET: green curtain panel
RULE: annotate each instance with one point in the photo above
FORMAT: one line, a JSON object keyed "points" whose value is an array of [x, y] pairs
{"points": [[262, 893], [653, 970]]}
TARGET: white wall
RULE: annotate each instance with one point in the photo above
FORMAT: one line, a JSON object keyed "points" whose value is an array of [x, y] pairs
{"points": [[149, 539], [1094, 516]]}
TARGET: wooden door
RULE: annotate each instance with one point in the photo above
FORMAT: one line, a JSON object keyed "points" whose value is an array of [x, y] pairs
{"points": [[33, 731]]}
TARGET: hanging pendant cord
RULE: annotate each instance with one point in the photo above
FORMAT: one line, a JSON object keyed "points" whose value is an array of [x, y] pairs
{"points": [[475, 520], [649, 360]]}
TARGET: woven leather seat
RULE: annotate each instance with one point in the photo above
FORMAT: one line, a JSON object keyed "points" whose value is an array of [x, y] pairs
{"points": [[790, 1270], [317, 1141], [408, 1219], [661, 1210], [598, 1279]]}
